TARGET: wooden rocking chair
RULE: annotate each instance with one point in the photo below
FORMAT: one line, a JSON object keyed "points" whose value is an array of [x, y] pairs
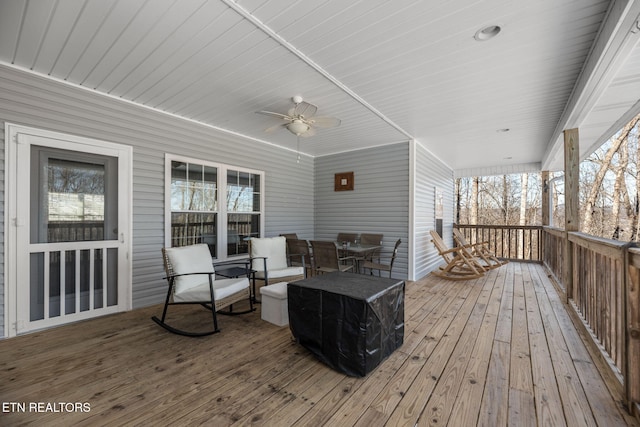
{"points": [[480, 251], [460, 266]]}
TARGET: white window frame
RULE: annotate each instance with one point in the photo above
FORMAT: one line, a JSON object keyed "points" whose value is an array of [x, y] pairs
{"points": [[222, 212]]}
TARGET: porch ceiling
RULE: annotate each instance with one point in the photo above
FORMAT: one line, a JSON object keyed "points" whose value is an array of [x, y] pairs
{"points": [[392, 71]]}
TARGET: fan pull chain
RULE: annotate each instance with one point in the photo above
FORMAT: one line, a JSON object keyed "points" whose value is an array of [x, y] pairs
{"points": [[298, 138]]}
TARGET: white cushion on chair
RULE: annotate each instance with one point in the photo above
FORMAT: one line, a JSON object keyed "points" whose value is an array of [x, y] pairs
{"points": [[222, 288], [283, 272], [190, 259], [274, 249]]}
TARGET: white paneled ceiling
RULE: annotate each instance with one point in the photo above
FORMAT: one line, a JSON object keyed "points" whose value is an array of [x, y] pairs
{"points": [[390, 70]]}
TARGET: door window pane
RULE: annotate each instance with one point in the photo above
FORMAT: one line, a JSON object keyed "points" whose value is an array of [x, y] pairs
{"points": [[72, 203], [36, 290]]}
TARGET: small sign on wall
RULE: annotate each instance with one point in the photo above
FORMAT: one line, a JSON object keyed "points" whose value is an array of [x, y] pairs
{"points": [[343, 181]]}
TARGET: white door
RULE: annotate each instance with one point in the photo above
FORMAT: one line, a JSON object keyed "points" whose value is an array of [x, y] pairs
{"points": [[68, 222]]}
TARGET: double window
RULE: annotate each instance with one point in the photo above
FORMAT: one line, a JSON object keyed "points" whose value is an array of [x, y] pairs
{"points": [[216, 204]]}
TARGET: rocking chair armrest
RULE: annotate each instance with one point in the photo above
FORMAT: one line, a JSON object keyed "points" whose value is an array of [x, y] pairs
{"points": [[473, 245], [263, 258], [448, 251], [465, 245]]}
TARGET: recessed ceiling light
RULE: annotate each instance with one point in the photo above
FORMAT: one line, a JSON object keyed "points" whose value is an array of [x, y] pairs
{"points": [[487, 33]]}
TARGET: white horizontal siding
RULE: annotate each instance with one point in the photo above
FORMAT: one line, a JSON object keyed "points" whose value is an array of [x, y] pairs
{"points": [[33, 101], [430, 173], [379, 202]]}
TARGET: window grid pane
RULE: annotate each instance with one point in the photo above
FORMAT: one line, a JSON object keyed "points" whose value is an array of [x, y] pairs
{"points": [[241, 227], [194, 207], [194, 228], [243, 192]]}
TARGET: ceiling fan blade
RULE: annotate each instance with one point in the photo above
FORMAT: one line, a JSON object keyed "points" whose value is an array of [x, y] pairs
{"points": [[310, 132], [272, 114], [305, 109], [325, 122], [275, 127]]}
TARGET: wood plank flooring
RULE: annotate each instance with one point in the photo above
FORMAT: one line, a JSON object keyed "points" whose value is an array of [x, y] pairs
{"points": [[496, 351]]}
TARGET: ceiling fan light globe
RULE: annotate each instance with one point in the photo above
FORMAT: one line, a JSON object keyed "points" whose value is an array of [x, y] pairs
{"points": [[297, 127]]}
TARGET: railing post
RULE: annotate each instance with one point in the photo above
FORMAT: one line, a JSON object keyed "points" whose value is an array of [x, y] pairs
{"points": [[572, 217], [545, 212], [632, 336], [545, 197]]}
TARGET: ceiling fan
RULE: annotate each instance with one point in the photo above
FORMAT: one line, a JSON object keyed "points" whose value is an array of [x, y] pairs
{"points": [[300, 119]]}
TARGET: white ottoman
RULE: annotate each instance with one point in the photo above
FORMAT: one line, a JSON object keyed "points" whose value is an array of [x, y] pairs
{"points": [[274, 304]]}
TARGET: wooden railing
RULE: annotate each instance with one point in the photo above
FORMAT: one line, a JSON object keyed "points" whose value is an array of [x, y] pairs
{"points": [[598, 291], [513, 242], [553, 252], [633, 330], [603, 289], [604, 294]]}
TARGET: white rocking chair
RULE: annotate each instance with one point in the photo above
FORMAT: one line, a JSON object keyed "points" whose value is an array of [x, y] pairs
{"points": [[191, 278]]}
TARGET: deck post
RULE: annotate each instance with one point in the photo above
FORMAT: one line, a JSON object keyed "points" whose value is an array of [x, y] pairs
{"points": [[571, 214], [546, 190], [632, 321], [545, 198]]}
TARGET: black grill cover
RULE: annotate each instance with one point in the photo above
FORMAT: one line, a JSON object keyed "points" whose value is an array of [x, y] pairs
{"points": [[351, 322]]}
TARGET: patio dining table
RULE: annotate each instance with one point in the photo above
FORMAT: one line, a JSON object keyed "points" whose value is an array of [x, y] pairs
{"points": [[358, 251]]}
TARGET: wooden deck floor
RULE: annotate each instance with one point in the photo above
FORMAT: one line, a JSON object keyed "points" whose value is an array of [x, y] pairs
{"points": [[495, 351]]}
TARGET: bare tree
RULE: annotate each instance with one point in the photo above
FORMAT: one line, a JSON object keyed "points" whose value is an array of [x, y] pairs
{"points": [[619, 191], [637, 222], [596, 188], [458, 189], [524, 190], [474, 200]]}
